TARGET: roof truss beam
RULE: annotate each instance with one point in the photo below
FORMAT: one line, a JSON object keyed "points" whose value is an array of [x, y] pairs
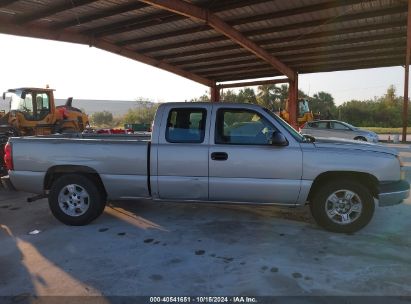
{"points": [[315, 63], [325, 68], [240, 21], [205, 62], [252, 83], [203, 15], [179, 56], [362, 49], [157, 18], [278, 29], [100, 14], [132, 24], [49, 11]]}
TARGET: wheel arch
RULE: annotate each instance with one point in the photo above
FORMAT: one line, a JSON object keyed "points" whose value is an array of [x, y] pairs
{"points": [[55, 172], [359, 137], [366, 179]]}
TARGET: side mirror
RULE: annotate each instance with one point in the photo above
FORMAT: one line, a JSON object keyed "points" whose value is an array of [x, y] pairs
{"points": [[279, 139]]}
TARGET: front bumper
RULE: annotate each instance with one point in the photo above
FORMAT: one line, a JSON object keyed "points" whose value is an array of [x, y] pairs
{"points": [[393, 193]]}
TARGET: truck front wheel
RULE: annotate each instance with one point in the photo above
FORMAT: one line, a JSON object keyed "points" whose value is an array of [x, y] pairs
{"points": [[342, 206], [75, 200]]}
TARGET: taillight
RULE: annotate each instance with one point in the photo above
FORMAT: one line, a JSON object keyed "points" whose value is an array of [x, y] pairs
{"points": [[8, 157]]}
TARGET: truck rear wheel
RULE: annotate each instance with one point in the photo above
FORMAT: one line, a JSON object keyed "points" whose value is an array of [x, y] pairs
{"points": [[342, 206], [75, 200]]}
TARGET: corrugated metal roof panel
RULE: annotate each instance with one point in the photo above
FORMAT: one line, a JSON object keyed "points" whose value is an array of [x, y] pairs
{"points": [[306, 34]]}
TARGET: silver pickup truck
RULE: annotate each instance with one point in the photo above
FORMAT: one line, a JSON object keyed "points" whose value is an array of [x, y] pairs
{"points": [[213, 152]]}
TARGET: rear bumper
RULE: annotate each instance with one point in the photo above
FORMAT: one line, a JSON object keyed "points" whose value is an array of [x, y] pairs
{"points": [[28, 181], [6, 183], [393, 193]]}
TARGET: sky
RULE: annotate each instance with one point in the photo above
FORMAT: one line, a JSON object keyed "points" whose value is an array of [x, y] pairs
{"points": [[89, 73]]}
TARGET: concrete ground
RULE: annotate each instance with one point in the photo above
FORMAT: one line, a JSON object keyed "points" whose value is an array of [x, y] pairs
{"points": [[146, 248], [392, 138]]}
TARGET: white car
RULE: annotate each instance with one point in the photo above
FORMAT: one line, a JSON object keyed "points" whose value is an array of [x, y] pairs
{"points": [[340, 129]]}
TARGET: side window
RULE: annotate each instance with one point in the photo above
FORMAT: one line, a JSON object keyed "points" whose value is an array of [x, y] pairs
{"points": [[242, 127], [186, 125], [322, 125], [26, 106], [338, 126], [42, 105]]}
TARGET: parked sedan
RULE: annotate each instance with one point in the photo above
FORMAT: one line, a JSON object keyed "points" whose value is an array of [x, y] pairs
{"points": [[335, 128]]}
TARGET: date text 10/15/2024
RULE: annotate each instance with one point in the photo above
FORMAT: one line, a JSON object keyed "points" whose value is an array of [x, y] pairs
{"points": [[203, 299]]}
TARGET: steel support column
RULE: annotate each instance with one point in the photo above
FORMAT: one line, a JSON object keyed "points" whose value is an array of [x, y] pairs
{"points": [[406, 77], [214, 93], [292, 101]]}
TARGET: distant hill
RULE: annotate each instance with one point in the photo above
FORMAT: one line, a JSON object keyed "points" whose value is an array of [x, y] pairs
{"points": [[117, 107]]}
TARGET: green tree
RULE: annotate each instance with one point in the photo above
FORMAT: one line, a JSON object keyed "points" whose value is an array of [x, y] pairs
{"points": [[323, 102], [383, 111], [247, 95], [143, 113], [229, 96], [102, 118], [268, 96], [203, 98], [282, 95], [390, 97]]}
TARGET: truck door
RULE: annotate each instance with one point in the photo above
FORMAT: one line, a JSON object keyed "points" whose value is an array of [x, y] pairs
{"points": [[244, 166], [183, 153]]}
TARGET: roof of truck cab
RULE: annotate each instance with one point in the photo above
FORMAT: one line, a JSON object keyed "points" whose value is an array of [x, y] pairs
{"points": [[219, 103]]}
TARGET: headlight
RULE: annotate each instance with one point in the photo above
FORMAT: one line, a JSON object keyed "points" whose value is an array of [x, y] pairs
{"points": [[401, 161], [402, 174], [402, 169]]}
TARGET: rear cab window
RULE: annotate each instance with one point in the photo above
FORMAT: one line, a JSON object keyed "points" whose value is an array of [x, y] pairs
{"points": [[186, 125]]}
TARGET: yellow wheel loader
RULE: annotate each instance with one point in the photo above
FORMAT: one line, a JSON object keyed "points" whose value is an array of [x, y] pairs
{"points": [[303, 111], [33, 112]]}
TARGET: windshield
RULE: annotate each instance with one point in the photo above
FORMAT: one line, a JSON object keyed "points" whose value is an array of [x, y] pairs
{"points": [[34, 105], [350, 126], [17, 103], [289, 128]]}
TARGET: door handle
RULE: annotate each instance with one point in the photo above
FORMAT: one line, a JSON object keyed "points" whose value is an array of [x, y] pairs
{"points": [[219, 156]]}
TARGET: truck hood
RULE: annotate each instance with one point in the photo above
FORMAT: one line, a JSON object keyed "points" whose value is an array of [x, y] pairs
{"points": [[346, 144]]}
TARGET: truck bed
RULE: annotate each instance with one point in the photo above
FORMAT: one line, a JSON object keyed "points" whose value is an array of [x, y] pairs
{"points": [[120, 160]]}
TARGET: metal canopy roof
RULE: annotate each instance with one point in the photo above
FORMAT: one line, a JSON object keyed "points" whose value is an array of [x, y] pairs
{"points": [[212, 41]]}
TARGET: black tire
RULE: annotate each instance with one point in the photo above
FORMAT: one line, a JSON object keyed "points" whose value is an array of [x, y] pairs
{"points": [[360, 138], [95, 200], [320, 202]]}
